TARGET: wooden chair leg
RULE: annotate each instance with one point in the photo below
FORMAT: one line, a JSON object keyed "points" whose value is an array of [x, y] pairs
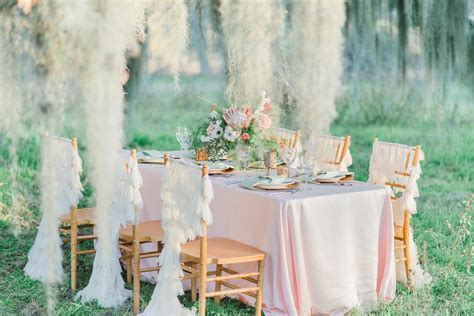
{"points": [[407, 252], [73, 254], [136, 276], [129, 270], [203, 277], [194, 287], [258, 302], [217, 299]]}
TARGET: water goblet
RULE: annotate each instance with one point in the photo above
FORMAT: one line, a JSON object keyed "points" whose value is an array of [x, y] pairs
{"points": [[244, 155], [289, 155], [269, 159], [307, 164], [184, 138]]}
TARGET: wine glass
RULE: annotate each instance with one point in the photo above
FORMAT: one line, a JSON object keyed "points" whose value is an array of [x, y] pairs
{"points": [[244, 155], [184, 138], [289, 155], [269, 159], [307, 163]]}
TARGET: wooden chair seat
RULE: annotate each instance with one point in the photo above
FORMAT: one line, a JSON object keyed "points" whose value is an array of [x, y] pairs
{"points": [[222, 251], [149, 231], [85, 216]]}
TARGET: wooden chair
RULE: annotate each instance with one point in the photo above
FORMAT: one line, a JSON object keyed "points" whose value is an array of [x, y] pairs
{"points": [[220, 252], [131, 238], [287, 137], [71, 225], [402, 232], [338, 146]]}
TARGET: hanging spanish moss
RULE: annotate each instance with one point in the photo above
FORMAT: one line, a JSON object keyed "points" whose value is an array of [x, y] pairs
{"points": [[168, 36], [30, 106], [250, 29], [99, 33], [316, 63], [441, 26], [28, 93]]}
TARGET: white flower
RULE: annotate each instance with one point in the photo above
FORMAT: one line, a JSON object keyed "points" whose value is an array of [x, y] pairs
{"points": [[230, 134], [205, 139], [213, 115], [216, 132]]}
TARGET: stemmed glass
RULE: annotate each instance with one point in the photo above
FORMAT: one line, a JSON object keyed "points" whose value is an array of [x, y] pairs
{"points": [[184, 138], [244, 155], [269, 160], [307, 163], [289, 156]]}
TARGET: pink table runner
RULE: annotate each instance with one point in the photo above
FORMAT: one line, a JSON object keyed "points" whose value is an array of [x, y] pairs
{"points": [[329, 249]]}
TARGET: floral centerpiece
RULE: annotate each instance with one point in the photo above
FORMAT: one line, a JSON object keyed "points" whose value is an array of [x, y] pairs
{"points": [[224, 128]]}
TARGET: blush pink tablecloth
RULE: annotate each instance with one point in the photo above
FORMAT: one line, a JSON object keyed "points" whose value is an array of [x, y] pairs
{"points": [[329, 249]]}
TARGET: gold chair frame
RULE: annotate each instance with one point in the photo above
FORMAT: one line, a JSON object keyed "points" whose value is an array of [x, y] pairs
{"points": [[131, 238], [402, 233], [225, 251], [71, 225]]}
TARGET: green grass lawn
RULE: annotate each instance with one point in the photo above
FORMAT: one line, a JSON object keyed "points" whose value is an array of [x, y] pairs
{"points": [[442, 226]]}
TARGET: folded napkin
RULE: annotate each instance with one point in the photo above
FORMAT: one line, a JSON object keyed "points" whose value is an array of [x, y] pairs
{"points": [[150, 156], [252, 183], [328, 175], [216, 166]]}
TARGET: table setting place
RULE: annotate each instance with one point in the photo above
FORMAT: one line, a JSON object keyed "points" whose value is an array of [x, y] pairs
{"points": [[284, 169]]}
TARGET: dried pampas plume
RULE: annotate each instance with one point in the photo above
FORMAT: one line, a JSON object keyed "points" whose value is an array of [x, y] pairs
{"points": [[316, 65]]}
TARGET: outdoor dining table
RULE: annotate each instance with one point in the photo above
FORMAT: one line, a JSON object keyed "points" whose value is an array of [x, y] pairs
{"points": [[329, 248]]}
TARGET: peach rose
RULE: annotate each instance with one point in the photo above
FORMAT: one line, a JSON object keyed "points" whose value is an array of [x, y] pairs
{"points": [[264, 121], [267, 107]]}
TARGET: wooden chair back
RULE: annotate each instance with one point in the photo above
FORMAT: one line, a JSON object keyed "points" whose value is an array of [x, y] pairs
{"points": [[412, 159], [341, 149], [288, 137]]}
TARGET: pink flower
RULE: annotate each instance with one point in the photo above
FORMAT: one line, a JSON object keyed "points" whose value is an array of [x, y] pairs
{"points": [[237, 118], [245, 136], [264, 121], [214, 107], [267, 107]]}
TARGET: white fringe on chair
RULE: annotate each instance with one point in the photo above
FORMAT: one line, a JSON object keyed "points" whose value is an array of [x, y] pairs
{"points": [[385, 161], [324, 149], [60, 190], [106, 284], [186, 197], [132, 182]]}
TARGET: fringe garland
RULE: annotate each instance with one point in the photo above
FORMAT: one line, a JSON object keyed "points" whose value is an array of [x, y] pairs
{"points": [[186, 196], [387, 158], [61, 189]]}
